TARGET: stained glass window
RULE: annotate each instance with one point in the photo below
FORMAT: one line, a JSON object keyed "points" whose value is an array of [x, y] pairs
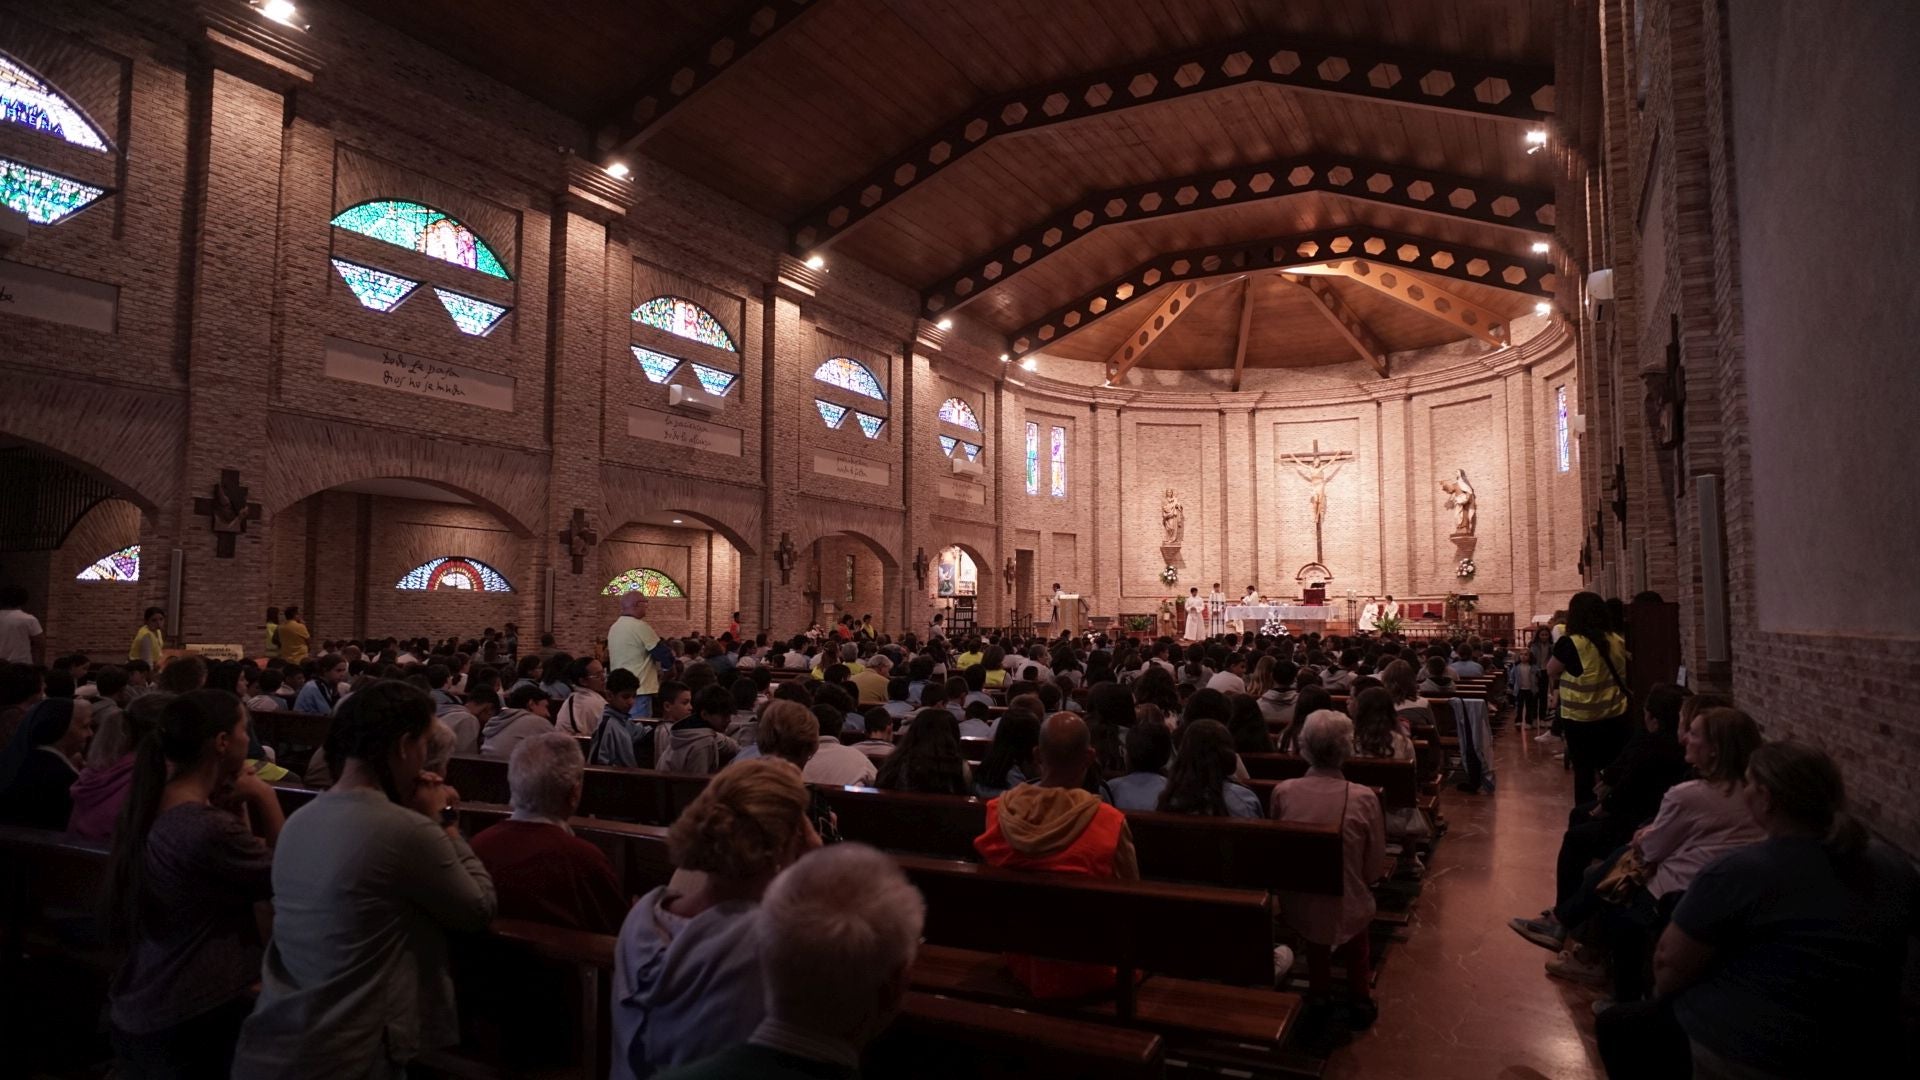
{"points": [[375, 289], [1033, 459], [870, 425], [659, 367], [1562, 438], [850, 374], [972, 450], [43, 196], [834, 415], [713, 380], [684, 318], [646, 581], [27, 100], [423, 229], [955, 411], [469, 575], [1059, 454], [122, 565], [475, 317], [947, 443]]}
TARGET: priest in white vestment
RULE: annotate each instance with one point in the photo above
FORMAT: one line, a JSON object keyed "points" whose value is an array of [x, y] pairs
{"points": [[1216, 611], [1369, 615], [1252, 599], [1196, 615]]}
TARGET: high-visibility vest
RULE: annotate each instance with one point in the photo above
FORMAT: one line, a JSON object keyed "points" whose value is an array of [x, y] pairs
{"points": [[1595, 694]]}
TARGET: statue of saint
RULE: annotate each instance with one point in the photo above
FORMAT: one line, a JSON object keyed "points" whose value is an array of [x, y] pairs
{"points": [[1466, 510], [1173, 520]]}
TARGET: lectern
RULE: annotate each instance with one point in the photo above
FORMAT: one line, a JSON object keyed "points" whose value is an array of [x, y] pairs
{"points": [[1071, 614]]}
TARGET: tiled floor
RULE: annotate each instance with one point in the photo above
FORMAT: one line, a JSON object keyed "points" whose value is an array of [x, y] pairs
{"points": [[1464, 996]]}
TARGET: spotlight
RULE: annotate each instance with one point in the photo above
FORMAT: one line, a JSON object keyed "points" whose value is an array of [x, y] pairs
{"points": [[618, 170], [816, 262], [1540, 247], [1543, 308], [1030, 364], [945, 324], [1536, 140], [677, 521], [282, 12], [1004, 357]]}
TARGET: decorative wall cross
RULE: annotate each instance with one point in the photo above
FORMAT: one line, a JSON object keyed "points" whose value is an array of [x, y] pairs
{"points": [[228, 511], [579, 538], [1312, 468], [783, 557]]}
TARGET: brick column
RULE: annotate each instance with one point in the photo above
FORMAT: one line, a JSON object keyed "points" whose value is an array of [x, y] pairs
{"points": [[914, 405], [1396, 530], [1523, 521], [784, 374], [1239, 503]]}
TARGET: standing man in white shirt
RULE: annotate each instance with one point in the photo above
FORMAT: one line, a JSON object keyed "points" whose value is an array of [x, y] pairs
{"points": [[22, 640], [630, 644]]}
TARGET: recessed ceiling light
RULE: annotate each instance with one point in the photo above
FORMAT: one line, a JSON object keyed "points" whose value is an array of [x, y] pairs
{"points": [[945, 324], [1005, 357], [816, 262], [282, 12], [618, 170], [1536, 140], [1030, 364], [1543, 308], [677, 521], [1540, 247]]}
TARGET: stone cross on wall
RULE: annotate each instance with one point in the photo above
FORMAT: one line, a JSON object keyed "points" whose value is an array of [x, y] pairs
{"points": [[227, 511], [579, 538]]}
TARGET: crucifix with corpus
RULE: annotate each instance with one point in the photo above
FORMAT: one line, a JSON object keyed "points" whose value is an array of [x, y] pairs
{"points": [[1312, 468]]}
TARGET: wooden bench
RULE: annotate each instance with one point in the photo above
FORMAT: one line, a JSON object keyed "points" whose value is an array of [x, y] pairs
{"points": [[294, 736], [1396, 781]]}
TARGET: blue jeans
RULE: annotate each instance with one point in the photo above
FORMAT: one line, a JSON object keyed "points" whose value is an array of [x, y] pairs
{"points": [[642, 705]]}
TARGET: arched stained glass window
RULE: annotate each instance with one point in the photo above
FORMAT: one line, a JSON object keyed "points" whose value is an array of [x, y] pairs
{"points": [[1058, 452], [375, 289], [42, 196], [955, 411], [1563, 441], [446, 572], [658, 367], [28, 100], [421, 228], [474, 317], [684, 318], [850, 374], [646, 581], [1033, 458], [122, 565], [834, 415], [947, 443]]}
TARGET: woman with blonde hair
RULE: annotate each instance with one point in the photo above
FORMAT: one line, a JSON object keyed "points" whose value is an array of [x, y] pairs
{"points": [[687, 978]]}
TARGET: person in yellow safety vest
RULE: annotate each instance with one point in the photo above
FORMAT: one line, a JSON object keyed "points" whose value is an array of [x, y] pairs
{"points": [[1587, 682]]}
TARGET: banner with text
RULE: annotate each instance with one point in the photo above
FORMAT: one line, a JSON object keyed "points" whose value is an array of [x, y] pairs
{"points": [[406, 373]]}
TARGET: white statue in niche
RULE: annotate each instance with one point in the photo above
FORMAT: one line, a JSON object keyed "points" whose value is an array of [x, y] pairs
{"points": [[1173, 520], [1466, 510]]}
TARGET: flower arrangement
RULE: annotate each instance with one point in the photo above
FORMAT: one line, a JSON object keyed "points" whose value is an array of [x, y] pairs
{"points": [[1387, 624], [1169, 576], [1139, 623], [1465, 605], [1466, 570]]}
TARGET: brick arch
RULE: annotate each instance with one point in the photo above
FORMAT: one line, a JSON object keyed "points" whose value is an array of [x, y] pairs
{"points": [[310, 456], [128, 439], [732, 511], [880, 530]]}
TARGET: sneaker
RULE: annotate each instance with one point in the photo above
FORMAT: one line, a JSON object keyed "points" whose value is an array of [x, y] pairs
{"points": [[1545, 736], [1544, 932], [1282, 961], [1573, 969]]}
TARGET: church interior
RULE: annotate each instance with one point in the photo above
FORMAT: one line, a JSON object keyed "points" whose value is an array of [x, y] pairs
{"points": [[1227, 337]]}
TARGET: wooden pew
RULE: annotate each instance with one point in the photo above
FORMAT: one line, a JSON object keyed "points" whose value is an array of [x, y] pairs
{"points": [[294, 736], [1396, 781]]}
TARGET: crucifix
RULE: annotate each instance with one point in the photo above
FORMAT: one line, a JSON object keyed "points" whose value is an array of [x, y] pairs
{"points": [[1312, 468], [228, 511], [578, 537]]}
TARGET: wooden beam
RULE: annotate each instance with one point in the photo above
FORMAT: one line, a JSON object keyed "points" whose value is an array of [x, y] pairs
{"points": [[1421, 294], [1345, 320], [1474, 87], [1531, 275], [1178, 303], [1458, 198], [676, 84], [1240, 341]]}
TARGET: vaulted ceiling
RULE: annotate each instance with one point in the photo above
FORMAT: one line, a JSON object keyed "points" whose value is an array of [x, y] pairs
{"points": [[1044, 165]]}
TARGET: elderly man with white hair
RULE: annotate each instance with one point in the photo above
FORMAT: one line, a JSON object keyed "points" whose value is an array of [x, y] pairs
{"points": [[1330, 924], [837, 931], [872, 680], [541, 871]]}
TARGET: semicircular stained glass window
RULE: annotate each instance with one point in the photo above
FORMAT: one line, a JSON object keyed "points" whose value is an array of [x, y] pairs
{"points": [[646, 581], [418, 227], [684, 318], [122, 565], [955, 411], [849, 374], [30, 101], [451, 572]]}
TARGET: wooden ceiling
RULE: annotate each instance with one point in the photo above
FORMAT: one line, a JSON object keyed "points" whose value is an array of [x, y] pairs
{"points": [[821, 97]]}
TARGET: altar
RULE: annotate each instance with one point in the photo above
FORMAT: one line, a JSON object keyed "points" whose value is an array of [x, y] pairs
{"points": [[1297, 618]]}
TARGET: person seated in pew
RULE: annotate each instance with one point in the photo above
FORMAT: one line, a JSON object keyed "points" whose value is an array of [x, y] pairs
{"points": [[265, 692], [837, 933], [835, 763], [193, 855], [1056, 825], [470, 717], [440, 686], [870, 683], [367, 881], [621, 740], [790, 731], [1201, 781], [40, 764], [320, 693], [100, 791], [1149, 749], [957, 690], [525, 716], [686, 981], [694, 743], [898, 706], [1248, 725], [979, 721], [879, 741], [1330, 925], [928, 759], [1009, 761], [586, 702], [1377, 734], [540, 870]]}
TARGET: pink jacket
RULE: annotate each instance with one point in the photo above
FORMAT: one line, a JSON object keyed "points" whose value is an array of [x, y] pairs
{"points": [[98, 795], [1326, 798]]}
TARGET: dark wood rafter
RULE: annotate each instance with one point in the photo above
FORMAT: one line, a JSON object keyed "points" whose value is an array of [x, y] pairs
{"points": [[1457, 84], [1531, 275], [1487, 202], [698, 69], [1240, 338], [1176, 304], [1351, 326], [1421, 295]]}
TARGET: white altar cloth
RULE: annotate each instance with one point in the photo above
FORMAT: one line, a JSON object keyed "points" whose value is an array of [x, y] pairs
{"points": [[1267, 612]]}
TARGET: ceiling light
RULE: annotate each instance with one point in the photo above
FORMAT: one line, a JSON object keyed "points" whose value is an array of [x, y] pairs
{"points": [[677, 521], [1004, 358], [1543, 308], [1540, 247], [1536, 140], [282, 12], [1030, 364], [816, 262], [945, 324], [618, 170]]}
